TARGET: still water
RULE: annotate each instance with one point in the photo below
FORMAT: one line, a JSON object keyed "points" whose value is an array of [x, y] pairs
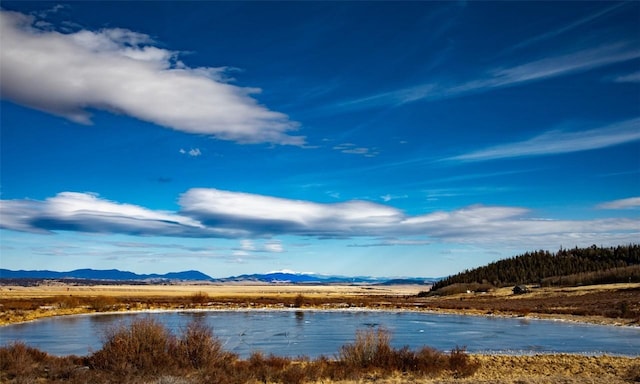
{"points": [[314, 333]]}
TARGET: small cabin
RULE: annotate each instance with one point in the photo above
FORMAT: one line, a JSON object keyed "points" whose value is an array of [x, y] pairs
{"points": [[520, 289]]}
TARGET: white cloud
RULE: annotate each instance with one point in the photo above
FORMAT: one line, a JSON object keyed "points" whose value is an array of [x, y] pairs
{"points": [[569, 27], [272, 215], [122, 71], [274, 246], [193, 152], [388, 197], [87, 212], [216, 213], [555, 142], [569, 63], [247, 245], [629, 203], [564, 64], [355, 150], [628, 78]]}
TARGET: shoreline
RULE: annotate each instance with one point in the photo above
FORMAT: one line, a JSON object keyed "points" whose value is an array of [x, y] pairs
{"points": [[587, 320], [435, 311], [24, 304]]}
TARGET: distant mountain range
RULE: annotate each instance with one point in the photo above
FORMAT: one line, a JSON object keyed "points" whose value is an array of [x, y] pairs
{"points": [[303, 278], [94, 274], [272, 277]]}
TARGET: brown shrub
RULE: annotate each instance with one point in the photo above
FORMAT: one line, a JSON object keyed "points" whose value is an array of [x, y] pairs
{"points": [[430, 361], [140, 349], [200, 298], [198, 348], [66, 301], [267, 369], [20, 362], [102, 303], [460, 363], [299, 301], [370, 349]]}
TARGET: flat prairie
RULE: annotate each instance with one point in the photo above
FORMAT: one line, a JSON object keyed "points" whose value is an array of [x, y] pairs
{"points": [[212, 290]]}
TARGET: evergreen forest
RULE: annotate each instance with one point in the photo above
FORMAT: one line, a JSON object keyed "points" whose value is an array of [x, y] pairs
{"points": [[567, 267]]}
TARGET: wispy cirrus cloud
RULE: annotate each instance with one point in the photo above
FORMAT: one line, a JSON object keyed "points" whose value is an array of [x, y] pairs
{"points": [[212, 213], [573, 62], [569, 27], [557, 142], [353, 149], [628, 78], [563, 64], [124, 71], [628, 203]]}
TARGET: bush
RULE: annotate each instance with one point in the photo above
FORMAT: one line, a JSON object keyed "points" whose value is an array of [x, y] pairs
{"points": [[370, 349], [198, 348], [298, 301], [200, 298], [17, 361], [143, 348], [102, 303], [460, 364]]}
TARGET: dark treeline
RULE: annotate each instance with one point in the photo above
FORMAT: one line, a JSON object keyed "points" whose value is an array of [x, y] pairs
{"points": [[540, 267]]}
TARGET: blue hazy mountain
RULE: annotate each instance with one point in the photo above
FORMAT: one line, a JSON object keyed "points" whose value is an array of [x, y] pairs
{"points": [[109, 274], [272, 277], [310, 278]]}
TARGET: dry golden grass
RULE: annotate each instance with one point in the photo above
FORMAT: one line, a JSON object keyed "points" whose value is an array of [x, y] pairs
{"points": [[213, 290]]}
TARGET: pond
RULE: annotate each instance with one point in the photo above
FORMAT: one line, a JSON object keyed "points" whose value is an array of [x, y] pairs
{"points": [[313, 333]]}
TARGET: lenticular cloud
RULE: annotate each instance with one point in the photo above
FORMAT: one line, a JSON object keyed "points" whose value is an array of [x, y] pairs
{"points": [[122, 71], [213, 213]]}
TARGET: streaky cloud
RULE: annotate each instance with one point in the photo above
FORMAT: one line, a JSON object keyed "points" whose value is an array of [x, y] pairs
{"points": [[121, 71], [628, 78], [628, 203], [566, 28], [557, 142], [568, 63], [213, 213]]}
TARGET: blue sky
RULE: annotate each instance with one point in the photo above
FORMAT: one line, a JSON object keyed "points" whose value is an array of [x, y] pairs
{"points": [[353, 138]]}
